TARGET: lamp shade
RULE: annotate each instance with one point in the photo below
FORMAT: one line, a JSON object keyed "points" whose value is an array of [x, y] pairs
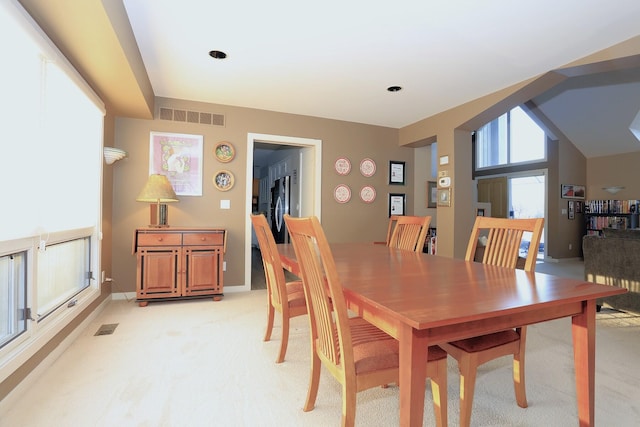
{"points": [[158, 189]]}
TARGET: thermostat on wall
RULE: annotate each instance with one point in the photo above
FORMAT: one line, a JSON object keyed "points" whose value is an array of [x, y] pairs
{"points": [[444, 182]]}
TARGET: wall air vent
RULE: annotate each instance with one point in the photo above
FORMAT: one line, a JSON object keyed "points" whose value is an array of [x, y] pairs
{"points": [[187, 116]]}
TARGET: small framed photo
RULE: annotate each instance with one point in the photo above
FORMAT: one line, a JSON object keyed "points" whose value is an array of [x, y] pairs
{"points": [[397, 204], [396, 172], [578, 206], [432, 194], [444, 197], [571, 212], [570, 191], [480, 212]]}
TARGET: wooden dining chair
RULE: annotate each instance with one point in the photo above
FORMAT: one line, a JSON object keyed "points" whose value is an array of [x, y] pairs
{"points": [[502, 248], [287, 298], [393, 219], [410, 233], [358, 354]]}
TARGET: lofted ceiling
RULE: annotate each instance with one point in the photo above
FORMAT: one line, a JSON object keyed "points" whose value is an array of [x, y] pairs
{"points": [[336, 59]]}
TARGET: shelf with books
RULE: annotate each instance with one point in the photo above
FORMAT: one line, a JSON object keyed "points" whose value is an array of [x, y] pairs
{"points": [[616, 214]]}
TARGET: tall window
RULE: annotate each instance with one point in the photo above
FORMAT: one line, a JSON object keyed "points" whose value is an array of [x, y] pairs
{"points": [[511, 138], [52, 129]]}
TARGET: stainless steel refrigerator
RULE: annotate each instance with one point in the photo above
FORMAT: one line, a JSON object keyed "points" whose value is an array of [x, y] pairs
{"points": [[280, 205]]}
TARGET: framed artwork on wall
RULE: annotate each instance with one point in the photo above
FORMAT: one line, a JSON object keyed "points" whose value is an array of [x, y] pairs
{"points": [[571, 191], [396, 172], [397, 204], [179, 157], [432, 194]]}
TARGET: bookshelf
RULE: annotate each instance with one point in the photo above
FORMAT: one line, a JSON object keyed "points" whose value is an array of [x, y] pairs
{"points": [[618, 214]]}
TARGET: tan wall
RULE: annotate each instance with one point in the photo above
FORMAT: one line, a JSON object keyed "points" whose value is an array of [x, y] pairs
{"points": [[609, 171], [353, 221]]}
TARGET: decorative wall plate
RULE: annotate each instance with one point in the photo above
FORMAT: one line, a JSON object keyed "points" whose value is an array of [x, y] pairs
{"points": [[367, 167], [342, 193], [223, 180], [224, 152], [343, 166], [368, 194]]}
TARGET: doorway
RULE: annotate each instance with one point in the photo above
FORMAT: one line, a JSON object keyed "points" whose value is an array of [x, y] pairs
{"points": [[527, 199], [309, 189]]}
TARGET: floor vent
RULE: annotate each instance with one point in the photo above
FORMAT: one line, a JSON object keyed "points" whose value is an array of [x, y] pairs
{"points": [[106, 329], [186, 116]]}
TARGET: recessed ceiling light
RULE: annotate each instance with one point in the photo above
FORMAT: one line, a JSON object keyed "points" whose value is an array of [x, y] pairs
{"points": [[217, 54], [394, 88]]}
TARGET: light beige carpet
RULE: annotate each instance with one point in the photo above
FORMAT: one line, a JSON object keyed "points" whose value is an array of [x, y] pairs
{"points": [[203, 363]]}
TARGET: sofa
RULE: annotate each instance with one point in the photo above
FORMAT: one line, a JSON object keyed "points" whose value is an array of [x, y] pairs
{"points": [[614, 259]]}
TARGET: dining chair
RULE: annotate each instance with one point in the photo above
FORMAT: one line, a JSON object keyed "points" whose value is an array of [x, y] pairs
{"points": [[393, 219], [410, 233], [502, 248], [287, 298], [358, 354]]}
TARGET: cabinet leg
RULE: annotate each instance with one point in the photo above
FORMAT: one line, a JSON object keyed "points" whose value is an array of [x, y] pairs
{"points": [[142, 303], [217, 297]]}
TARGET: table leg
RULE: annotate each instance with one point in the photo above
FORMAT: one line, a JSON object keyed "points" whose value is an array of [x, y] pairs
{"points": [[584, 354], [413, 368]]}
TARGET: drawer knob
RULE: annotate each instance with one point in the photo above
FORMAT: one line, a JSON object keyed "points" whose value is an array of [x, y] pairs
{"points": [[159, 239], [203, 238]]}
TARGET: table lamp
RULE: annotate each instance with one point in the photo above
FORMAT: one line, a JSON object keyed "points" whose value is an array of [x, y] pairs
{"points": [[158, 191]]}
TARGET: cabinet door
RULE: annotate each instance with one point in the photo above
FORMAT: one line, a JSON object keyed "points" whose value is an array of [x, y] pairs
{"points": [[158, 272], [203, 272]]}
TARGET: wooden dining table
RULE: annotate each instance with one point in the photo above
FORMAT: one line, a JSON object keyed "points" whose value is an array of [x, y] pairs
{"points": [[423, 299]]}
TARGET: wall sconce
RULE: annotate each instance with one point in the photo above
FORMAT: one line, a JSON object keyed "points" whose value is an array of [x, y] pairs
{"points": [[158, 191], [613, 189], [112, 155]]}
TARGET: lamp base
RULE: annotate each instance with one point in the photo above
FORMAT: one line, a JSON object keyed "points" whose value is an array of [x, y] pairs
{"points": [[159, 215]]}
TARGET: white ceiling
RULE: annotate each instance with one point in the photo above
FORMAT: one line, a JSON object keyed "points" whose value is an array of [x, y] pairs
{"points": [[335, 59]]}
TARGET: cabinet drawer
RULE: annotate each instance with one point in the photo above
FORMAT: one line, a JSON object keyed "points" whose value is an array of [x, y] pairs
{"points": [[159, 239], [206, 239]]}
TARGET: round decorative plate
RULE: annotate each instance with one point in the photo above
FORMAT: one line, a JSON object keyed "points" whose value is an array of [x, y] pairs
{"points": [[224, 152], [342, 193], [343, 166], [367, 167], [368, 194], [223, 180]]}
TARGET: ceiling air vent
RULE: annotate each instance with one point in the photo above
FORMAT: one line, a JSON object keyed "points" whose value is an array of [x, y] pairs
{"points": [[198, 117]]}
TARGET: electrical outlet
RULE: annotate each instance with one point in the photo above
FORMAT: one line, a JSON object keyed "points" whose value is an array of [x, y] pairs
{"points": [[570, 246]]}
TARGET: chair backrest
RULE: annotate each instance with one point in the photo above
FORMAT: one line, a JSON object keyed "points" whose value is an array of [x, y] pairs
{"points": [[393, 219], [410, 232], [325, 301], [273, 271], [503, 240]]}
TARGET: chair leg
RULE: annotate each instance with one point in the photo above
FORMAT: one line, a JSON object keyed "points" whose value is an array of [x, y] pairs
{"points": [[314, 382], [349, 404], [285, 338], [468, 369], [439, 391], [270, 316]]}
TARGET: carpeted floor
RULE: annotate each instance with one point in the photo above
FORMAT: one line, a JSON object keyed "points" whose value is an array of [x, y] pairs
{"points": [[203, 363]]}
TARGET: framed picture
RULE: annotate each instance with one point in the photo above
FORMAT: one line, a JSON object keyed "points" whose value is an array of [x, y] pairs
{"points": [[570, 191], [179, 157], [223, 180], [396, 204], [432, 194], [480, 212], [224, 152], [571, 212], [444, 197], [396, 172], [578, 206]]}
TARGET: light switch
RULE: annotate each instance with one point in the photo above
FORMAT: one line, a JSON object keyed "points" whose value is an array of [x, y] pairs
{"points": [[225, 204]]}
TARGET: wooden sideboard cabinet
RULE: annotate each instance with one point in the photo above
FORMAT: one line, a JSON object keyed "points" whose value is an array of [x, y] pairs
{"points": [[179, 262]]}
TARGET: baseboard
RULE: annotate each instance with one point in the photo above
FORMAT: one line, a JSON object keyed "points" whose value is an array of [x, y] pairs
{"points": [[123, 295]]}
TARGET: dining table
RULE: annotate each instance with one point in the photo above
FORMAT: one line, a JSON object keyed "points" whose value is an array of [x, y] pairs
{"points": [[422, 300]]}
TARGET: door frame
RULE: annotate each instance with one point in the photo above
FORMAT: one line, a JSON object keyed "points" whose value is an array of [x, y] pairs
{"points": [[310, 176]]}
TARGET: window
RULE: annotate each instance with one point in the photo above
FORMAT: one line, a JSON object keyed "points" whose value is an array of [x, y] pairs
{"points": [[13, 316], [511, 138], [52, 125]]}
